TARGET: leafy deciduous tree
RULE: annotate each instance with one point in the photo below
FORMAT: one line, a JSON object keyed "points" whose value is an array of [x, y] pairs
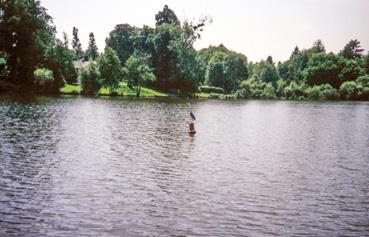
{"points": [[137, 71], [110, 69]]}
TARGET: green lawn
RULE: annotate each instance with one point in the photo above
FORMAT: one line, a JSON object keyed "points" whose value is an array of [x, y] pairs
{"points": [[122, 90], [70, 89]]}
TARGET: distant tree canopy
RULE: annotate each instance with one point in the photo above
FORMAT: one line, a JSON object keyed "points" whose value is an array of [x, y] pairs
{"points": [[164, 58], [121, 40], [223, 68], [167, 16]]}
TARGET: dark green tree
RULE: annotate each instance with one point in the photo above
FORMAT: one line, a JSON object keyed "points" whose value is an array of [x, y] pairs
{"points": [[167, 16], [26, 34], [282, 69], [296, 65], [110, 69], [174, 58], [76, 44], [122, 40], [60, 61], [352, 50], [269, 60], [142, 40], [92, 50], [295, 52], [266, 72], [323, 69], [226, 69], [318, 47]]}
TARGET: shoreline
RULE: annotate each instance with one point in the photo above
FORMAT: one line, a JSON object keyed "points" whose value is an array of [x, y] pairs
{"points": [[18, 96]]}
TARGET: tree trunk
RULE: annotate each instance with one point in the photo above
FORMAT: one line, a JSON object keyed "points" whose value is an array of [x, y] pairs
{"points": [[138, 90]]}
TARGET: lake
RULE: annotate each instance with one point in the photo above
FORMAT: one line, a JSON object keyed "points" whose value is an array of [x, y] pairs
{"points": [[126, 167]]}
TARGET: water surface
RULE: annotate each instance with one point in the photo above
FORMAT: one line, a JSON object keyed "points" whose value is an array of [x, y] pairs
{"points": [[118, 167]]}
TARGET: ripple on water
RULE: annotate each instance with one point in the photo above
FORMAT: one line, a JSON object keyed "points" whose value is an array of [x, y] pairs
{"points": [[85, 166]]}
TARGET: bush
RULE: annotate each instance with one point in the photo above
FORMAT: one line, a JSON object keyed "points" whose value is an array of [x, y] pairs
{"points": [[268, 92], [349, 90], [89, 79], [280, 85], [43, 75], [256, 88], [313, 93], [44, 79], [327, 92], [322, 92], [211, 89], [363, 87], [363, 80], [295, 90]]}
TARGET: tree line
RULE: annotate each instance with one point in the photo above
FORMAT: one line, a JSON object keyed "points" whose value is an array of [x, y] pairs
{"points": [[164, 58]]}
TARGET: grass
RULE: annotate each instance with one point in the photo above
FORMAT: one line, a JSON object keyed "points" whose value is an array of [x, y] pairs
{"points": [[122, 90], [70, 89]]}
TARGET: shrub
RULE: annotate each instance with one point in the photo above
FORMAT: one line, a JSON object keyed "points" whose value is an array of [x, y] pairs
{"points": [[349, 90], [211, 89], [321, 92], [363, 87], [280, 85], [363, 80], [268, 92], [327, 92], [256, 88], [43, 75], [295, 90], [44, 79], [313, 93], [89, 79]]}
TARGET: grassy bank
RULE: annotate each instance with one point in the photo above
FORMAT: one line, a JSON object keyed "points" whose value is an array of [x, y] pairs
{"points": [[122, 90]]}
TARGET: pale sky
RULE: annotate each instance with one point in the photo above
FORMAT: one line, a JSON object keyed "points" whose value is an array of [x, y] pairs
{"points": [[256, 28]]}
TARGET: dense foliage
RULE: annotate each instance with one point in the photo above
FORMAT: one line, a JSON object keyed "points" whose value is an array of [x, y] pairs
{"points": [[90, 80], [110, 69], [26, 34], [164, 58], [138, 72]]}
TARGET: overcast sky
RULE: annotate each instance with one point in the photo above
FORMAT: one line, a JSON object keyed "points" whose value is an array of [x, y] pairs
{"points": [[257, 28]]}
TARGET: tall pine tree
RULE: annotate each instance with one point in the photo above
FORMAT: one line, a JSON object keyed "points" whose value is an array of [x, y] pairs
{"points": [[76, 44], [92, 48]]}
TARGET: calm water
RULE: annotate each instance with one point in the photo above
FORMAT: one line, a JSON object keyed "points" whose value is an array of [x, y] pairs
{"points": [[114, 167]]}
